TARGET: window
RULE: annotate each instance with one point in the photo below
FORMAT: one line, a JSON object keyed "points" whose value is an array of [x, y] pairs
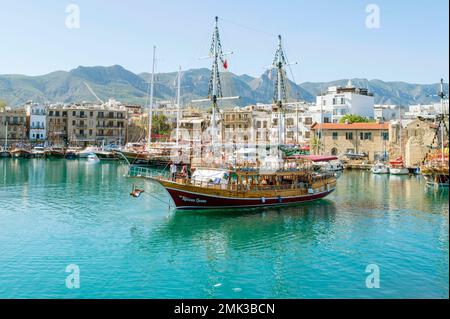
{"points": [[74, 113], [307, 134], [349, 135], [385, 136], [335, 135], [308, 120], [365, 136]]}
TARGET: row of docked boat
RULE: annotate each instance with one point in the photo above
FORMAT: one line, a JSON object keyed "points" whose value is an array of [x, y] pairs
{"points": [[50, 152], [395, 167]]}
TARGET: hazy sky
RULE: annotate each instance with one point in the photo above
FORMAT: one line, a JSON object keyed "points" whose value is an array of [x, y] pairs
{"points": [[328, 38]]}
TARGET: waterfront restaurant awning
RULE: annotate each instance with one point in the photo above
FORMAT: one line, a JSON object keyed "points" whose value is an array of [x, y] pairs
{"points": [[317, 158]]}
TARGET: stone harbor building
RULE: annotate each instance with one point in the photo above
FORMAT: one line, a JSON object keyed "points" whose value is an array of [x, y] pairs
{"points": [[338, 139]]}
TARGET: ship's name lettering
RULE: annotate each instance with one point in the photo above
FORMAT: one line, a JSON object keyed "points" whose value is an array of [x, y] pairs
{"points": [[192, 200]]}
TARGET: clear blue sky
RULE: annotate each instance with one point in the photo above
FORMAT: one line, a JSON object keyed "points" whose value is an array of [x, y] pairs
{"points": [[328, 37]]}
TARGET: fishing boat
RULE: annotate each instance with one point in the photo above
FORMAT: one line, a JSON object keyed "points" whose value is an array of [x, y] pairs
{"points": [[21, 153], [55, 152], [106, 153], [85, 153], [72, 152], [38, 152], [435, 168], [436, 172], [397, 167], [380, 168], [4, 153]]}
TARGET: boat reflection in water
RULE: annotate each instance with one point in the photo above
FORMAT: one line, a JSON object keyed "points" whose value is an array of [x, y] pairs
{"points": [[251, 227]]}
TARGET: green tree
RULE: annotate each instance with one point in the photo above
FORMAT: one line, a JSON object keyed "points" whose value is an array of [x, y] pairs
{"points": [[160, 125], [316, 145], [353, 118], [2, 104]]}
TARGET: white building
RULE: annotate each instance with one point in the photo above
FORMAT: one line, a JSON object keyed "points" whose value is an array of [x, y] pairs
{"points": [[386, 112], [340, 101], [426, 110], [38, 121]]}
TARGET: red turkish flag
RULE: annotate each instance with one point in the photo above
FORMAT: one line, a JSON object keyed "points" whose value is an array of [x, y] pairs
{"points": [[225, 64]]}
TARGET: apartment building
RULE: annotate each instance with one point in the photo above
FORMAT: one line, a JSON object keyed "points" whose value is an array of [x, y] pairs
{"points": [[340, 101], [13, 122], [38, 121], [87, 124]]}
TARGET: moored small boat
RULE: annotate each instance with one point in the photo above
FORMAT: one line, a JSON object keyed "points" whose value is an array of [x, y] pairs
{"points": [[21, 153], [55, 152], [5, 153], [72, 152], [397, 167], [380, 168], [38, 152], [85, 153], [104, 155]]}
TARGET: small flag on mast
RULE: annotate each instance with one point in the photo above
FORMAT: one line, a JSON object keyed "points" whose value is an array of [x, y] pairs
{"points": [[225, 64]]}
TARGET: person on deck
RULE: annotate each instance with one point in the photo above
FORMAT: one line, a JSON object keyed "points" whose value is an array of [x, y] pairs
{"points": [[173, 171]]}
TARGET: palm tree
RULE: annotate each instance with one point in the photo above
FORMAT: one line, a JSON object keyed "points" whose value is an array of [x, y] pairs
{"points": [[316, 145]]}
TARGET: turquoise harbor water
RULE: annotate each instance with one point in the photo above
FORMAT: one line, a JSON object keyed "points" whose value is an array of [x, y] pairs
{"points": [[56, 213]]}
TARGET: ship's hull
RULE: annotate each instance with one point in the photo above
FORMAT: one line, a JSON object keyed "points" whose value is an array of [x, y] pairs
{"points": [[191, 200], [5, 154], [440, 180], [398, 171], [106, 156], [54, 154], [144, 159], [21, 154]]}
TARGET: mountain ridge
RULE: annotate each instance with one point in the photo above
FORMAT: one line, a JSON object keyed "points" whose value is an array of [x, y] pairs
{"points": [[123, 85]]}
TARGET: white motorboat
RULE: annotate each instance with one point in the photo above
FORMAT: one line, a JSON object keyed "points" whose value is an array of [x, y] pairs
{"points": [[397, 167], [380, 168], [87, 152], [38, 152]]}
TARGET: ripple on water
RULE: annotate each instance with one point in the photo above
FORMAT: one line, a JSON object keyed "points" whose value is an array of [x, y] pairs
{"points": [[53, 213]]}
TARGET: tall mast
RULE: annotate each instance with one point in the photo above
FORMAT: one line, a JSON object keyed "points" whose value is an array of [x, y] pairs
{"points": [[279, 63], [215, 89], [150, 113], [178, 103], [442, 122], [6, 137]]}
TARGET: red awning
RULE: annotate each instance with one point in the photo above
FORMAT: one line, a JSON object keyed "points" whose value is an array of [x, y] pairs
{"points": [[319, 158]]}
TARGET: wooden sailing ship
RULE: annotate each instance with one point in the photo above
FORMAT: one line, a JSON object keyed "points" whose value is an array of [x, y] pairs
{"points": [[435, 166], [282, 183], [245, 188]]}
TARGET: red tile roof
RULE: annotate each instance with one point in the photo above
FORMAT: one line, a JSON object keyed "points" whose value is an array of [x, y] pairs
{"points": [[353, 126]]}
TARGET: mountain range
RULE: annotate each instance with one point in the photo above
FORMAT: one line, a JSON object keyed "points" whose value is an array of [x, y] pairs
{"points": [[125, 86]]}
